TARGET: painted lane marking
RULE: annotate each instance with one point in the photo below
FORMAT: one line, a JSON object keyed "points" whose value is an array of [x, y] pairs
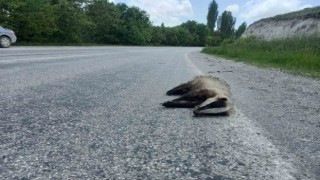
{"points": [[250, 136], [192, 65], [137, 51], [53, 58]]}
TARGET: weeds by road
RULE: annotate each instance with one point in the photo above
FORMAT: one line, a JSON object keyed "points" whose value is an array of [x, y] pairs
{"points": [[298, 55]]}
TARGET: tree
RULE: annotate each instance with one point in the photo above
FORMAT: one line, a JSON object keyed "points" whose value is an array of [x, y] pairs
{"points": [[226, 24], [171, 37], [158, 35], [212, 15], [71, 21], [198, 31], [32, 20], [242, 28], [136, 27], [106, 21], [184, 37]]}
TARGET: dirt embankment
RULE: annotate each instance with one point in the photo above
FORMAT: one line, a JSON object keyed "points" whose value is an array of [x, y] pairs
{"points": [[296, 24]]}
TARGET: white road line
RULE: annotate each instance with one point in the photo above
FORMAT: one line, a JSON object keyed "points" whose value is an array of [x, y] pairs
{"points": [[53, 57], [253, 143], [137, 51], [65, 57], [192, 65], [251, 139]]}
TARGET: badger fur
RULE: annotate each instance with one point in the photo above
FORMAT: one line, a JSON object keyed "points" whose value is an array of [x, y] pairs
{"points": [[207, 95]]}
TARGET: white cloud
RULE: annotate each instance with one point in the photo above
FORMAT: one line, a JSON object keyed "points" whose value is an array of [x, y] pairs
{"points": [[112, 1], [257, 9], [234, 8], [165, 11]]}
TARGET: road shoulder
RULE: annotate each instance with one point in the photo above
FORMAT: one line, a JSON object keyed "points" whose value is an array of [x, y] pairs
{"points": [[284, 106]]}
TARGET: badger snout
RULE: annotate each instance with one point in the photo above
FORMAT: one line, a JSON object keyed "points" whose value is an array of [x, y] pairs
{"points": [[213, 106]]}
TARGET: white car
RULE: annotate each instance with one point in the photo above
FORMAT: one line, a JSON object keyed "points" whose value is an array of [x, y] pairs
{"points": [[7, 37]]}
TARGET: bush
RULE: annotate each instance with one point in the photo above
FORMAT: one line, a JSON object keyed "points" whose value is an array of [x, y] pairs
{"points": [[226, 41], [214, 39]]}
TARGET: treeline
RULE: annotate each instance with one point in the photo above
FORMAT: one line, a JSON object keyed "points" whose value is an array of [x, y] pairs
{"points": [[225, 31], [93, 21], [102, 22]]}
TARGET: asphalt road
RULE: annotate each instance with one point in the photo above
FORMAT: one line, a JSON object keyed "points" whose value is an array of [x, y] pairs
{"points": [[95, 113]]}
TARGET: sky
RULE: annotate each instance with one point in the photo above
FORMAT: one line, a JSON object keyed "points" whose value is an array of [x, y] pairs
{"points": [[175, 12]]}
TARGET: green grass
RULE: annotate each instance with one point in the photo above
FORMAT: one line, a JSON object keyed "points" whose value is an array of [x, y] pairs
{"points": [[298, 56]]}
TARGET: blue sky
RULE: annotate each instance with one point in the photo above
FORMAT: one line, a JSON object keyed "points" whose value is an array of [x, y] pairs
{"points": [[175, 12]]}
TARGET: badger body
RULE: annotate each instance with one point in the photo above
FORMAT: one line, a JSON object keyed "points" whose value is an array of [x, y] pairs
{"points": [[207, 95]]}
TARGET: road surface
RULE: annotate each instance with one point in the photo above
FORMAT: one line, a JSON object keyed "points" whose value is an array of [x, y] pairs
{"points": [[95, 113]]}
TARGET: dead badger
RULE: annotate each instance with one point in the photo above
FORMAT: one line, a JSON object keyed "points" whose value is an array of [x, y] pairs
{"points": [[207, 95]]}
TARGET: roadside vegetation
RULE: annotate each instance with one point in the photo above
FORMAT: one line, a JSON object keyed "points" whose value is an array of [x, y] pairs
{"points": [[297, 55], [94, 22]]}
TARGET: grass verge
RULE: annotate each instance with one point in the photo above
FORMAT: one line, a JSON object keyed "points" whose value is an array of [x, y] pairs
{"points": [[297, 55]]}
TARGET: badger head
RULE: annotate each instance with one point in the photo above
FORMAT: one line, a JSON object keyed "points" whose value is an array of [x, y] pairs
{"points": [[220, 105]]}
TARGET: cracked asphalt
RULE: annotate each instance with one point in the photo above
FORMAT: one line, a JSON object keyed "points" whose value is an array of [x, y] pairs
{"points": [[95, 113]]}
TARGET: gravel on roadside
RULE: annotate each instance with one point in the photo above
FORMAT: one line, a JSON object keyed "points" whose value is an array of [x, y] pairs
{"points": [[285, 106]]}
